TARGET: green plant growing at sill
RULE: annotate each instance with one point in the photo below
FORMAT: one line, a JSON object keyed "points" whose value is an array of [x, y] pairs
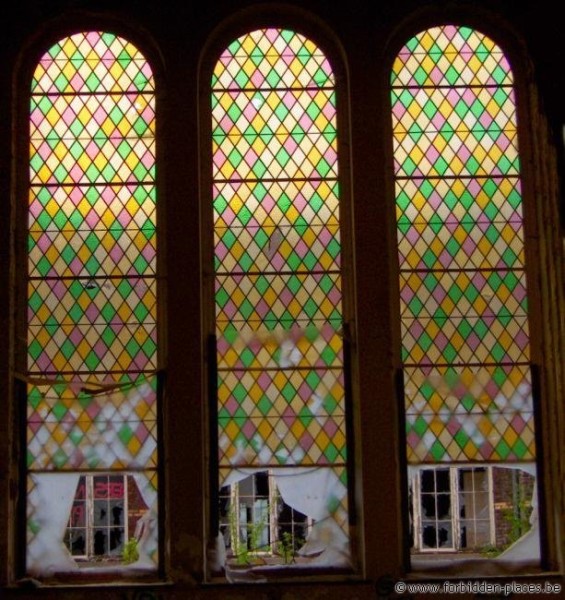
{"points": [[518, 517], [130, 553], [519, 520], [254, 531], [491, 551], [286, 548], [245, 552]]}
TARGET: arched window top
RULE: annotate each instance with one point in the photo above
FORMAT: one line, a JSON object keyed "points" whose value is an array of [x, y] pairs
{"points": [[92, 206], [454, 107], [98, 86], [272, 58], [450, 55], [91, 62]]}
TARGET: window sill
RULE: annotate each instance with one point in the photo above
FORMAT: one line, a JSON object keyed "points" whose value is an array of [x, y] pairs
{"points": [[441, 566], [93, 575], [295, 572]]}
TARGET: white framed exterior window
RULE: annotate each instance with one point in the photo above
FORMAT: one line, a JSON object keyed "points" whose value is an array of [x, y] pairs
{"points": [[453, 509], [256, 522], [98, 523]]}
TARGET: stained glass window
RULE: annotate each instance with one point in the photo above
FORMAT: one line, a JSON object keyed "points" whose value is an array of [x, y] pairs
{"points": [[91, 327], [278, 286], [463, 298]]}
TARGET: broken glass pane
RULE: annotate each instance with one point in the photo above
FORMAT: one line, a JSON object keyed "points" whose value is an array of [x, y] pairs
{"points": [[484, 512], [74, 519], [274, 517]]}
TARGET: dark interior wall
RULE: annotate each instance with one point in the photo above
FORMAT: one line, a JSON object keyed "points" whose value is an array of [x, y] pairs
{"points": [[363, 35]]}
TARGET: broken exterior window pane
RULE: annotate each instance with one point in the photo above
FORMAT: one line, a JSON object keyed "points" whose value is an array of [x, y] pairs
{"points": [[101, 433], [106, 513], [436, 509], [256, 523], [463, 293], [280, 400], [91, 359], [484, 512], [475, 501], [300, 520]]}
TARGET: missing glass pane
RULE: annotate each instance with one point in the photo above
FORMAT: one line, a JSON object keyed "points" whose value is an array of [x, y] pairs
{"points": [[291, 517], [258, 526], [91, 521], [101, 505], [474, 511]]}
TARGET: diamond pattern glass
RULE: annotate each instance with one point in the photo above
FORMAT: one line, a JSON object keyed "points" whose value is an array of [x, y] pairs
{"points": [[92, 62], [463, 291], [275, 134], [454, 132], [277, 225], [272, 59], [83, 230], [465, 316], [451, 56], [277, 256], [473, 223], [288, 417], [92, 297], [109, 430], [92, 219], [468, 413], [94, 325]]}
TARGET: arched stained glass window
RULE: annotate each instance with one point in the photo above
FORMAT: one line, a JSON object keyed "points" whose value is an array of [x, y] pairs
{"points": [[91, 326], [278, 296], [463, 299]]}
